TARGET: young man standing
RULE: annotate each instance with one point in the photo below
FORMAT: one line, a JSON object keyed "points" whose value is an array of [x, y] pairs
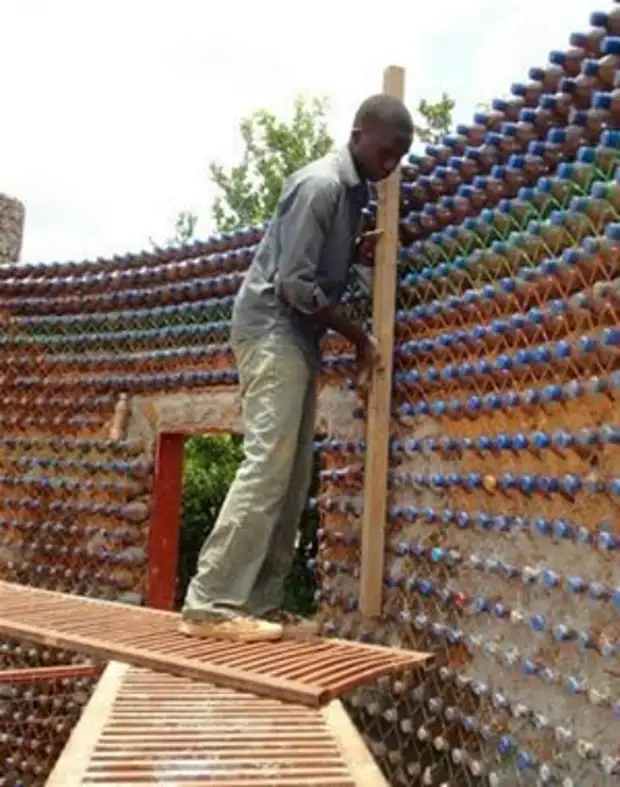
{"points": [[286, 303]]}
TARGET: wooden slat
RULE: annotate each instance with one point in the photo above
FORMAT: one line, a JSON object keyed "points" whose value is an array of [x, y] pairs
{"points": [[143, 728], [380, 393], [310, 672]]}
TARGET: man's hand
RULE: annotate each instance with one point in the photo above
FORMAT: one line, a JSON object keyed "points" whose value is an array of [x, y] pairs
{"points": [[368, 359], [366, 246]]}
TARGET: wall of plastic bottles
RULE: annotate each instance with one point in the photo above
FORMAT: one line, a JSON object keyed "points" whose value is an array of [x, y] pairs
{"points": [[502, 553], [502, 543]]}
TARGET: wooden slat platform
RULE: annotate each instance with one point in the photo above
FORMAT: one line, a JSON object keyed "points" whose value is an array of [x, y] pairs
{"points": [[144, 728], [311, 672]]}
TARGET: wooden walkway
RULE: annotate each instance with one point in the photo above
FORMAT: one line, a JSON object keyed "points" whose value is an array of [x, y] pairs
{"points": [[144, 728], [309, 673]]}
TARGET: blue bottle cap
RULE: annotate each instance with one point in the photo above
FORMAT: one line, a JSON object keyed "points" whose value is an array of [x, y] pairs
{"points": [[508, 129], [547, 101], [601, 100], [579, 117], [599, 19], [516, 161], [612, 231], [527, 115], [557, 57], [610, 45], [578, 39], [589, 67], [586, 155], [610, 138], [536, 73], [518, 89], [499, 104], [567, 85]]}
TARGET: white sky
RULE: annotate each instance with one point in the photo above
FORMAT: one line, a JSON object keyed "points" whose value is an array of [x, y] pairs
{"points": [[111, 111]]}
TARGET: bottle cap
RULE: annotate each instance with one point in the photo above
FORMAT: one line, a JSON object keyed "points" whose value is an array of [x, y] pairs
{"points": [[567, 85], [508, 129], [599, 19], [578, 39], [610, 45], [579, 117], [557, 57], [557, 136], [601, 101], [589, 67], [516, 161]]}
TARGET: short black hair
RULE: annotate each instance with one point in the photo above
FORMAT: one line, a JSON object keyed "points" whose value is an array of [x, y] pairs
{"points": [[384, 110]]}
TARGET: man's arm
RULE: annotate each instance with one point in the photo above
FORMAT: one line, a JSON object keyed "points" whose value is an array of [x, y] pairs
{"points": [[304, 223]]}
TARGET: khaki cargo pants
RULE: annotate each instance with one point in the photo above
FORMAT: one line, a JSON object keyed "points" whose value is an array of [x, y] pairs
{"points": [[246, 558]]}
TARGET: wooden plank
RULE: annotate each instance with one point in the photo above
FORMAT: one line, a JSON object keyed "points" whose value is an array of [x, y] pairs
{"points": [[71, 769], [145, 728], [33, 674], [362, 766], [380, 391], [310, 672]]}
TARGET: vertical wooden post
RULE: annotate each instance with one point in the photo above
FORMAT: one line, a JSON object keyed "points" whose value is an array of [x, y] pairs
{"points": [[380, 393], [165, 521]]}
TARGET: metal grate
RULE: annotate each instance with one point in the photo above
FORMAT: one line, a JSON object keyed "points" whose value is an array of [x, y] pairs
{"points": [[311, 672], [141, 727]]}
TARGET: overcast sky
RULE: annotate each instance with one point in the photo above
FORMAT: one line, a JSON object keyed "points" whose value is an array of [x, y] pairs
{"points": [[111, 111]]}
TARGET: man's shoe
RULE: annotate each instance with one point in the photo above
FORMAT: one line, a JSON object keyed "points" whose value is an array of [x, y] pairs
{"points": [[241, 628], [293, 626]]}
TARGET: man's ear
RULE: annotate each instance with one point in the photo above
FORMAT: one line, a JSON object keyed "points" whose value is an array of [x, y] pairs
{"points": [[356, 133]]}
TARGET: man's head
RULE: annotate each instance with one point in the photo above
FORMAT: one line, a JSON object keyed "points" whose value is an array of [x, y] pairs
{"points": [[382, 134]]}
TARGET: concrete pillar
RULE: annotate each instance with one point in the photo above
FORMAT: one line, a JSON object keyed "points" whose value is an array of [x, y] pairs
{"points": [[12, 214]]}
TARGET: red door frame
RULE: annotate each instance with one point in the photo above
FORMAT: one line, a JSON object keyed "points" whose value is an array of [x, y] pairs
{"points": [[165, 521]]}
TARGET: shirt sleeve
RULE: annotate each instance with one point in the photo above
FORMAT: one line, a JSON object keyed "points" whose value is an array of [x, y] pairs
{"points": [[304, 220]]}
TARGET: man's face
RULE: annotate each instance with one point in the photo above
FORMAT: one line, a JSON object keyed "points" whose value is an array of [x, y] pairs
{"points": [[379, 150]]}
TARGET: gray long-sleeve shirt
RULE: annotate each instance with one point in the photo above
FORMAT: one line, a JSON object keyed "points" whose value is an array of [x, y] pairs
{"points": [[303, 261]]}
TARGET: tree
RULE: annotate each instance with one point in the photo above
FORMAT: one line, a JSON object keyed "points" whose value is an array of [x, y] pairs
{"points": [[274, 149], [437, 120]]}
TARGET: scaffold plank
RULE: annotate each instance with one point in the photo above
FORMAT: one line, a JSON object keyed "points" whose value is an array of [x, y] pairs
{"points": [[310, 672], [144, 728]]}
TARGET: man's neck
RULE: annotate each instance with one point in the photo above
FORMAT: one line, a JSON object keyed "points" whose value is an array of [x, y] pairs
{"points": [[358, 169]]}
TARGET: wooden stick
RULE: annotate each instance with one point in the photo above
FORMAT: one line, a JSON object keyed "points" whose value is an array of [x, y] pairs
{"points": [[380, 392]]}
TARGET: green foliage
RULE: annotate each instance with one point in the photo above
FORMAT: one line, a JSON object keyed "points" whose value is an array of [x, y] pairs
{"points": [[185, 226], [209, 468], [437, 120], [273, 149]]}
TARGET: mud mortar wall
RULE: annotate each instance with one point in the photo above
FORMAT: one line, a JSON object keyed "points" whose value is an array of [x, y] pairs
{"points": [[11, 228], [503, 539]]}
